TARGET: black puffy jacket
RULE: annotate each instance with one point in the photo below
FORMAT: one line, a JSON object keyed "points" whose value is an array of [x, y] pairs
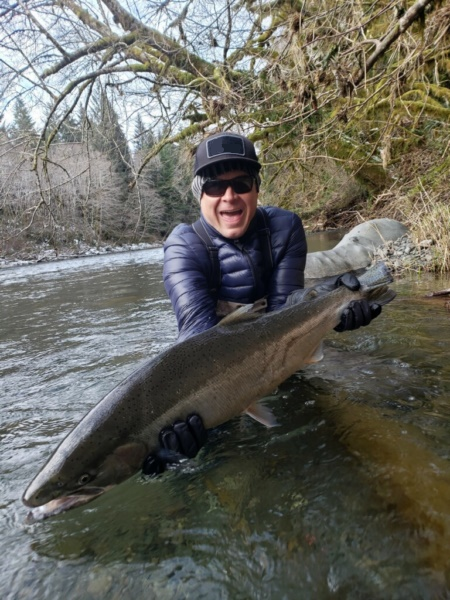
{"points": [[244, 278]]}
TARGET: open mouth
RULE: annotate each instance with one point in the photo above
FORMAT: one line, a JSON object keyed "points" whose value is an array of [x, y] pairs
{"points": [[231, 215], [59, 505]]}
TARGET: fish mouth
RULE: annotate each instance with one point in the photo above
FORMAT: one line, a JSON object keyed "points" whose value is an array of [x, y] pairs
{"points": [[59, 505]]}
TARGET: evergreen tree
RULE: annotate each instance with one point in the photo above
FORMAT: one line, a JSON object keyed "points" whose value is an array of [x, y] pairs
{"points": [[23, 124], [70, 130], [110, 139], [143, 137], [172, 184], [3, 128]]}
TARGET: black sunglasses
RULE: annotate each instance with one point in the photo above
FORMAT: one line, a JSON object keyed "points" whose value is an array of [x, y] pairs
{"points": [[217, 187]]}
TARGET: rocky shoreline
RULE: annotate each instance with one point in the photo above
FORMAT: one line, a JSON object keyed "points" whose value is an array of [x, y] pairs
{"points": [[404, 255], [400, 256], [46, 254]]}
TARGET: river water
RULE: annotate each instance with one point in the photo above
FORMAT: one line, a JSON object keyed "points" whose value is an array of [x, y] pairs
{"points": [[346, 498]]}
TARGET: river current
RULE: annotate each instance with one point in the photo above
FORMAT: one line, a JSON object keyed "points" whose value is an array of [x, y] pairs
{"points": [[346, 498]]}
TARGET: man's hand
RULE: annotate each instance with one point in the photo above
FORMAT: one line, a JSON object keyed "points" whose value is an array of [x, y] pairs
{"points": [[179, 441], [359, 313]]}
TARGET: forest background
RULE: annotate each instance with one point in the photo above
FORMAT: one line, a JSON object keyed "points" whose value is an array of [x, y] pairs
{"points": [[103, 102]]}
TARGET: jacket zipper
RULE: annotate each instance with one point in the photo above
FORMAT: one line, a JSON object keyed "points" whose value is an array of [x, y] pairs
{"points": [[240, 247]]}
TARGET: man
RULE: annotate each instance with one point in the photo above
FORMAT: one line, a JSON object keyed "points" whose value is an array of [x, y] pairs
{"points": [[237, 253]]}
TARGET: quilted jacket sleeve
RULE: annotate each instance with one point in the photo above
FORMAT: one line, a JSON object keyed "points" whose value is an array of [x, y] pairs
{"points": [[289, 250], [187, 269]]}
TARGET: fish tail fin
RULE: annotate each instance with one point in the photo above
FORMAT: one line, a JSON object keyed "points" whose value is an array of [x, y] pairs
{"points": [[382, 296], [376, 276], [374, 283]]}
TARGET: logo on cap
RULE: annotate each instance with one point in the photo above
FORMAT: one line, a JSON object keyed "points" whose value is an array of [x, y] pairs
{"points": [[225, 148], [225, 144]]}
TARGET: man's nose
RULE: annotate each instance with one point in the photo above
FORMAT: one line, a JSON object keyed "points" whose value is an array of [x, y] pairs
{"points": [[229, 194]]}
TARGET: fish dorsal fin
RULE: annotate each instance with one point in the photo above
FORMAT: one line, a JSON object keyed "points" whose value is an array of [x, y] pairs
{"points": [[262, 414], [246, 312]]}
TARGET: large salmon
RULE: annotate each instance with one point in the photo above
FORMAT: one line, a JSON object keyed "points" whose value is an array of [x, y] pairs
{"points": [[219, 373]]}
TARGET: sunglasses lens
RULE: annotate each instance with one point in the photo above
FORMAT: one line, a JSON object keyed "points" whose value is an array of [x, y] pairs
{"points": [[218, 187], [214, 187], [242, 186]]}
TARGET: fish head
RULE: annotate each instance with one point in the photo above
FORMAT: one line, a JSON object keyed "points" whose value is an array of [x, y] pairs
{"points": [[65, 482]]}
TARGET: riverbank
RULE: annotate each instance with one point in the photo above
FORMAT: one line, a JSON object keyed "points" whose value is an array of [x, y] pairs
{"points": [[405, 255], [44, 253], [400, 256]]}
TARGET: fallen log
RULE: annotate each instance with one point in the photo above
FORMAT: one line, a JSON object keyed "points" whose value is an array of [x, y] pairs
{"points": [[439, 293]]}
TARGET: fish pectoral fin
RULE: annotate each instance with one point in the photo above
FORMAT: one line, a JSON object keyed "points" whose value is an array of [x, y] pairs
{"points": [[125, 459], [262, 414], [316, 355]]}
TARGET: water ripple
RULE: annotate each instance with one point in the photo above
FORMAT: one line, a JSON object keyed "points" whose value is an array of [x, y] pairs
{"points": [[284, 513]]}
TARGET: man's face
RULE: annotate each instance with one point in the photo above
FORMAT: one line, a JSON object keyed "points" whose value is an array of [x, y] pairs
{"points": [[230, 213]]}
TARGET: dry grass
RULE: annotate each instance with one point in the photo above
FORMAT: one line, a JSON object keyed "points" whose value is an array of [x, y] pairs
{"points": [[430, 219], [422, 202], [419, 197]]}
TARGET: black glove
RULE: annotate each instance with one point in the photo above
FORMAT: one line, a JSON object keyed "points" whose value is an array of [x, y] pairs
{"points": [[349, 280], [359, 313], [179, 441]]}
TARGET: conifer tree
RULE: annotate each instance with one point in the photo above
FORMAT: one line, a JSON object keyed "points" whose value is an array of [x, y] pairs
{"points": [[23, 124], [110, 139], [172, 184], [70, 130], [143, 136]]}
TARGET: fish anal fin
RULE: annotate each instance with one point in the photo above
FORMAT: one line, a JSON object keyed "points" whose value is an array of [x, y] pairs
{"points": [[262, 414], [316, 355]]}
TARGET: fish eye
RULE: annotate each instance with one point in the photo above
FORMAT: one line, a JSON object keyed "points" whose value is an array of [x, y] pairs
{"points": [[85, 478]]}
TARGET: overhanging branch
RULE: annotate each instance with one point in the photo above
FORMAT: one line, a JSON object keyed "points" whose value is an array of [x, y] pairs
{"points": [[410, 16]]}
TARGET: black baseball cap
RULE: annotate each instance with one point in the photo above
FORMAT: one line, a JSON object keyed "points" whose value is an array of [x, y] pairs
{"points": [[223, 147]]}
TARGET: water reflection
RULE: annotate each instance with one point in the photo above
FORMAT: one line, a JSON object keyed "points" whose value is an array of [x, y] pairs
{"points": [[298, 511], [324, 240]]}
